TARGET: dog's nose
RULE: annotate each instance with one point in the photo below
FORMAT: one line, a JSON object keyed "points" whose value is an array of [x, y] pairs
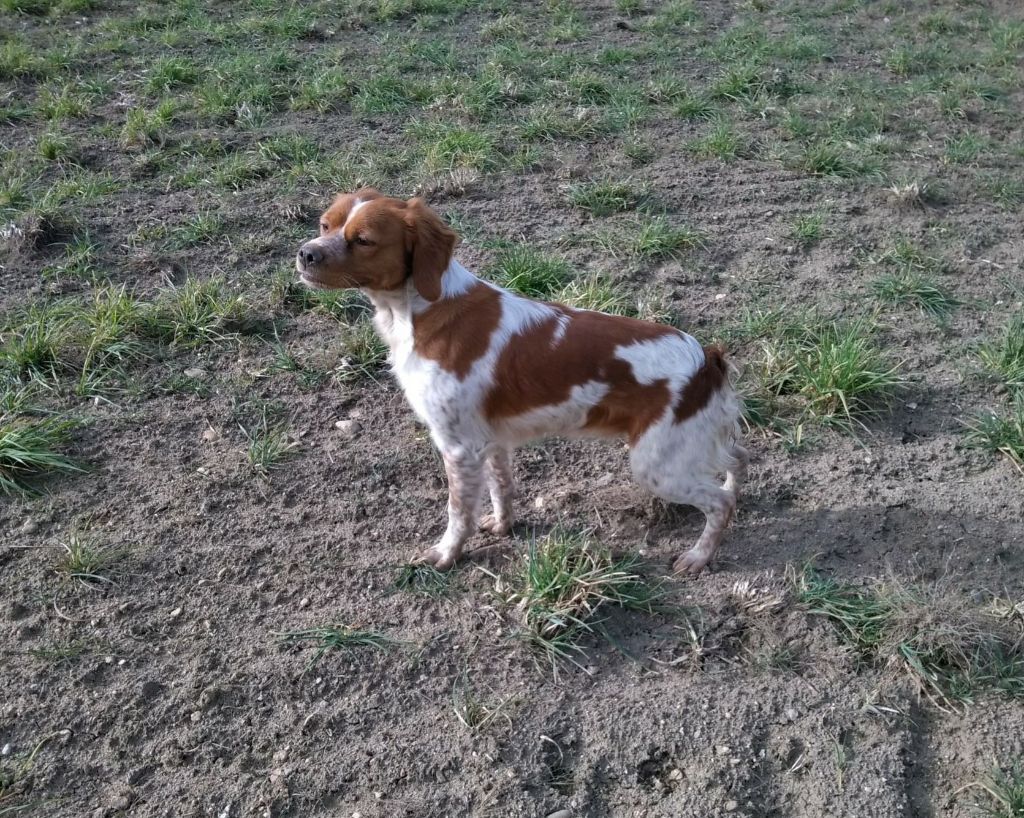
{"points": [[310, 254]]}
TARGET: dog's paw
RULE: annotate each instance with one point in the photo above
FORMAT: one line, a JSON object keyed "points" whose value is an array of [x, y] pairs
{"points": [[495, 526], [440, 558], [691, 562]]}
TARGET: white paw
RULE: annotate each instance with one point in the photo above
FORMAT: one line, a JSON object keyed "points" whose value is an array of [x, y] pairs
{"points": [[691, 562], [495, 526], [441, 558]]}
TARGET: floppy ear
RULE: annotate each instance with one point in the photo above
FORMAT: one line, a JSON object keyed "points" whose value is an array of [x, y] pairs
{"points": [[431, 243]]}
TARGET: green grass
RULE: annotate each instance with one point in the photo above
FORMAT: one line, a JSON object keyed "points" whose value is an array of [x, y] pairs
{"points": [[951, 651], [650, 239], [722, 142], [364, 354], [915, 289], [530, 272], [339, 637], [424, 580], [606, 197], [87, 562], [1004, 359], [36, 340], [171, 72], [1003, 792], [1000, 433], [196, 313], [268, 444], [564, 583], [30, 449], [830, 158], [460, 148], [596, 292], [811, 369], [808, 230], [964, 149]]}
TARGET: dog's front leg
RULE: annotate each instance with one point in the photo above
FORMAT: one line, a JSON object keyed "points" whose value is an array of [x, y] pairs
{"points": [[465, 485], [502, 488]]}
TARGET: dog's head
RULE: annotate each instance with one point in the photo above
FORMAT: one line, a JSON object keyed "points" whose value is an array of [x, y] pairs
{"points": [[372, 241]]}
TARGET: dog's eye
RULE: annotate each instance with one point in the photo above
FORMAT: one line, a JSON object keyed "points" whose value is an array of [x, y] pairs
{"points": [[363, 241], [324, 227]]}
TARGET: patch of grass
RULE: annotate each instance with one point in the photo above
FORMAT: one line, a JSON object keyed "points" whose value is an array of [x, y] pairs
{"points": [[564, 582], [651, 239], [199, 229], [1004, 359], [171, 72], [470, 709], [596, 292], [423, 580], [691, 105], [324, 92], [144, 126], [35, 341], [364, 354], [385, 94], [87, 562], [1000, 433], [606, 197], [527, 271], [828, 158], [915, 289], [722, 142], [1008, 192], [1003, 790], [808, 230], [30, 449], [964, 149], [196, 313], [268, 445], [55, 147], [460, 148], [339, 637], [108, 338], [949, 650]]}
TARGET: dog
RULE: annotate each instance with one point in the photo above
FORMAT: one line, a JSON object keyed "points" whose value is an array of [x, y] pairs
{"points": [[487, 370]]}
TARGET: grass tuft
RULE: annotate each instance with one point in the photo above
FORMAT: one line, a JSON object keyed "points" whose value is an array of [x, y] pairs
{"points": [[86, 562], [527, 271], [917, 290], [29, 449], [338, 637], [1000, 433], [269, 444], [196, 313], [565, 581], [1004, 791], [605, 198], [1004, 360], [364, 353], [949, 650], [423, 580], [596, 292]]}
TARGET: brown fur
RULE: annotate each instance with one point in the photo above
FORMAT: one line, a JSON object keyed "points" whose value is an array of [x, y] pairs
{"points": [[456, 332], [705, 382], [536, 370]]}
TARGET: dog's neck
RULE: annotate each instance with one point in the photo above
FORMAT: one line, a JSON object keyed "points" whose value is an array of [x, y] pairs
{"points": [[394, 309]]}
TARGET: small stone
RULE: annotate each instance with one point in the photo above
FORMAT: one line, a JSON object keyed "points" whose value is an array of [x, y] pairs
{"points": [[211, 435], [722, 750], [349, 428], [538, 502], [175, 613], [194, 372], [792, 714], [720, 296], [196, 716], [561, 813], [30, 526], [731, 806], [304, 602], [5, 750], [675, 775]]}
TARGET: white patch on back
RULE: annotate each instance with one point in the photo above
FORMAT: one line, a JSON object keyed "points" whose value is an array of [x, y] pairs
{"points": [[676, 357]]}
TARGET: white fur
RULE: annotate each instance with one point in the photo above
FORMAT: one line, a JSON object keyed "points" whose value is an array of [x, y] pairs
{"points": [[680, 462]]}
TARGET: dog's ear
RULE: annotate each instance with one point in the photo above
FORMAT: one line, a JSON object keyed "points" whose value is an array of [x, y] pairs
{"points": [[430, 243]]}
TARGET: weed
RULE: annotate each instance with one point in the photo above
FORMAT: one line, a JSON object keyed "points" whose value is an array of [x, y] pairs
{"points": [[338, 637], [1000, 433], [915, 289], [196, 313], [143, 126], [1004, 790], [595, 292], [268, 445], [695, 106], [827, 158], [30, 448], [363, 353], [963, 150], [652, 239], [36, 342], [808, 230], [86, 562], [530, 272], [565, 580], [721, 142], [950, 651], [472, 711], [1004, 360], [605, 198], [423, 580], [171, 72]]}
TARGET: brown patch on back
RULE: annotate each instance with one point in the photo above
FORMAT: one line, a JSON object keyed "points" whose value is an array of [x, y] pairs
{"points": [[456, 332], [705, 382], [538, 369]]}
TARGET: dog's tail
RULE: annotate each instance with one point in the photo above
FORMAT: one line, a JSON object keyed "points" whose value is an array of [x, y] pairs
{"points": [[732, 457]]}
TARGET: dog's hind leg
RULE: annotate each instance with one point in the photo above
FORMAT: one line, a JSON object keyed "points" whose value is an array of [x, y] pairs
{"points": [[502, 487], [465, 487]]}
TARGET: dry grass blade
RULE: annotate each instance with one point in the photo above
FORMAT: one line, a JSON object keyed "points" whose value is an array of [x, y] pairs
{"points": [[339, 637]]}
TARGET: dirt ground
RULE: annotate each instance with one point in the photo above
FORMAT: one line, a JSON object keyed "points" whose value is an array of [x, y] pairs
{"points": [[168, 691]]}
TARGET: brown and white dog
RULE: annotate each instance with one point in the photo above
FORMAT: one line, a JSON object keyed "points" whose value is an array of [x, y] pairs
{"points": [[488, 370]]}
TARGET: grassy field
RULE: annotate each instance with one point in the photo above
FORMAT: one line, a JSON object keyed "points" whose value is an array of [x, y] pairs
{"points": [[210, 486]]}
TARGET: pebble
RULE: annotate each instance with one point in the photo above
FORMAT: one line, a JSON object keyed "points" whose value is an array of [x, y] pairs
{"points": [[175, 613], [792, 714], [731, 806], [211, 435], [30, 526], [5, 750], [722, 750], [194, 372], [538, 502], [561, 813], [304, 602], [349, 428]]}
